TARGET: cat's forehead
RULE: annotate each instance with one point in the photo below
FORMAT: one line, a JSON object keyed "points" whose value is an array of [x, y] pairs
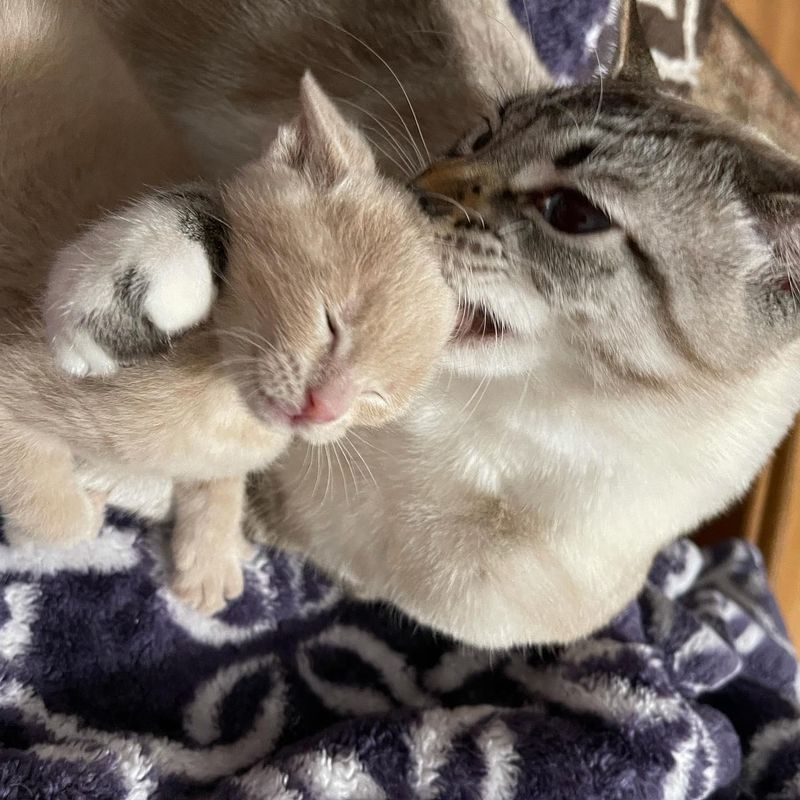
{"points": [[604, 112]]}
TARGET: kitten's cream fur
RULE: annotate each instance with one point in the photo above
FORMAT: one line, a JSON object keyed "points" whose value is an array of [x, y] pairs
{"points": [[76, 138]]}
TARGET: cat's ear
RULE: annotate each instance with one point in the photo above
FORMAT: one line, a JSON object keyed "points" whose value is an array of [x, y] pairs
{"points": [[633, 60], [320, 141]]}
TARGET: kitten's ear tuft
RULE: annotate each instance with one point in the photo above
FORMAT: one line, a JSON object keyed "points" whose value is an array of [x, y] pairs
{"points": [[320, 142], [633, 61]]}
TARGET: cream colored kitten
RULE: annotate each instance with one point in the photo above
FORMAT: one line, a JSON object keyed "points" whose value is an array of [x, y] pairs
{"points": [[307, 335]]}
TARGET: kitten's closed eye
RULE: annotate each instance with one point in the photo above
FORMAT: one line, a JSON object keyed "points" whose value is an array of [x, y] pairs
{"points": [[568, 211]]}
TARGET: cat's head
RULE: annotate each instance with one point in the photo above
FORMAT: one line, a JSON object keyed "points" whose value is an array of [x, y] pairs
{"points": [[620, 229], [333, 310]]}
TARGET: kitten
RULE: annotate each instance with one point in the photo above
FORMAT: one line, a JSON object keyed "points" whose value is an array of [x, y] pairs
{"points": [[312, 331], [626, 359]]}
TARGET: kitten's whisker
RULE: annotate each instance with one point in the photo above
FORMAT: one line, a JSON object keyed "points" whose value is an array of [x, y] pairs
{"points": [[342, 443], [347, 445], [363, 460], [341, 470], [368, 443], [329, 475], [393, 73]]}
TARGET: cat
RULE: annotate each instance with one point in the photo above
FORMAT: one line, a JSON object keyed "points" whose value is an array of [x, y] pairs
{"points": [[305, 339], [625, 361]]}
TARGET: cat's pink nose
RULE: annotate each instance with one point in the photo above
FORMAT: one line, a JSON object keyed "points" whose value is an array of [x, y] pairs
{"points": [[328, 402]]}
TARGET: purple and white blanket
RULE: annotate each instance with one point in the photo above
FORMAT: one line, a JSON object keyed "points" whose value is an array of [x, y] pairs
{"points": [[111, 690]]}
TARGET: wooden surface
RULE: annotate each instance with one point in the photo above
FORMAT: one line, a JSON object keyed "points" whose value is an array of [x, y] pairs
{"points": [[775, 24]]}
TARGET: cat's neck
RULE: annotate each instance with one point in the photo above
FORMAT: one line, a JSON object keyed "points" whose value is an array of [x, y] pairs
{"points": [[511, 437]]}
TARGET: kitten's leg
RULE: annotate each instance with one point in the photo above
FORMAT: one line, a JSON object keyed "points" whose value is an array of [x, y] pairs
{"points": [[40, 496], [134, 280], [207, 543]]}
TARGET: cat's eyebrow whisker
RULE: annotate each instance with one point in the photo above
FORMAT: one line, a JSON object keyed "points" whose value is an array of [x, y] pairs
{"points": [[393, 74], [404, 170], [386, 132], [391, 105], [602, 85]]}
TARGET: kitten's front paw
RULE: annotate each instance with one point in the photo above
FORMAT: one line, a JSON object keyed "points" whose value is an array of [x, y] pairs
{"points": [[208, 585], [133, 281]]}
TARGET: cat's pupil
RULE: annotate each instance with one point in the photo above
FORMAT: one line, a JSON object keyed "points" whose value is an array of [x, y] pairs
{"points": [[569, 211]]}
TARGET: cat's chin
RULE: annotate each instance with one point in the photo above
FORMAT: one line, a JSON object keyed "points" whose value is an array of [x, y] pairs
{"points": [[481, 357]]}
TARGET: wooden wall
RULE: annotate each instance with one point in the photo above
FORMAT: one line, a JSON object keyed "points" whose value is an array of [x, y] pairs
{"points": [[776, 26]]}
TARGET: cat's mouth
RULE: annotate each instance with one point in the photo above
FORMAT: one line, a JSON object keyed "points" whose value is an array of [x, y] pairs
{"points": [[476, 323]]}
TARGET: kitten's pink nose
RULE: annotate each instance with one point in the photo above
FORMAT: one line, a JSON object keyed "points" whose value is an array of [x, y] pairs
{"points": [[328, 402]]}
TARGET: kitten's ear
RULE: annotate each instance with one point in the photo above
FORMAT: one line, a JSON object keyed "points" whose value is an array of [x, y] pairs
{"points": [[633, 61], [320, 142]]}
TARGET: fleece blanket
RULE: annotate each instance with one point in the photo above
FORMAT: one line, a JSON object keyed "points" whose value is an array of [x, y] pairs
{"points": [[112, 690]]}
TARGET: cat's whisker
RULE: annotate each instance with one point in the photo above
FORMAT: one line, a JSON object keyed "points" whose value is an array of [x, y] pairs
{"points": [[531, 36], [402, 169], [391, 105], [386, 132], [393, 74], [602, 85], [445, 199]]}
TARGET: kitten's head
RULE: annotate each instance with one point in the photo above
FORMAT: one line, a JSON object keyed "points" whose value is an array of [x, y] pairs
{"points": [[635, 235], [333, 311]]}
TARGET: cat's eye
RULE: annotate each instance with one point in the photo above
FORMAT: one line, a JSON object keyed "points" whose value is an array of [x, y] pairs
{"points": [[569, 211], [482, 139]]}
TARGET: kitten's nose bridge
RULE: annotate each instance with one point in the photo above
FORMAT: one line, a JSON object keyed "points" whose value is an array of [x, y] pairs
{"points": [[468, 185]]}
